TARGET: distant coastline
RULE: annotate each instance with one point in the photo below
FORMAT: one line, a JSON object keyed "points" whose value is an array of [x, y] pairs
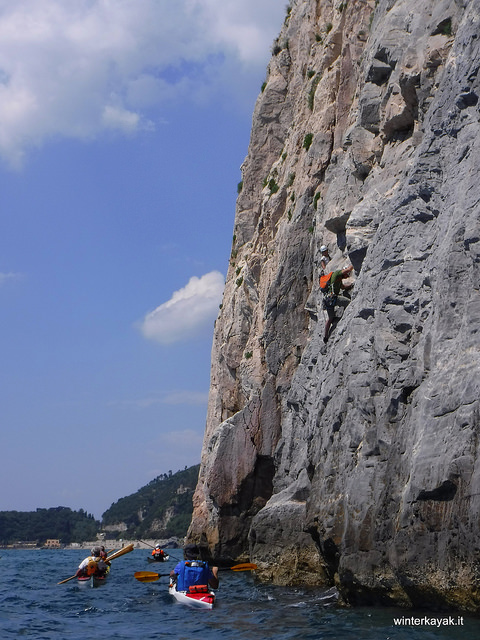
{"points": [[110, 545]]}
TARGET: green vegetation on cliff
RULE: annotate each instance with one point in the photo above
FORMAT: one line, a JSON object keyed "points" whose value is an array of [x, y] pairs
{"points": [[161, 509]]}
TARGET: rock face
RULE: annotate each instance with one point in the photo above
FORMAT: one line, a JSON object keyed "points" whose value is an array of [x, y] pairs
{"points": [[355, 462]]}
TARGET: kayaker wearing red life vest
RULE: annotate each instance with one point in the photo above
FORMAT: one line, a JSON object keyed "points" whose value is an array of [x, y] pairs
{"points": [[193, 571], [95, 563], [158, 553]]}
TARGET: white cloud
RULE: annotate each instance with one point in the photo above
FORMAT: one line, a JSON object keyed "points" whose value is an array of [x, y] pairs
{"points": [[77, 68], [244, 26], [183, 397], [5, 277], [119, 118], [186, 397], [188, 311]]}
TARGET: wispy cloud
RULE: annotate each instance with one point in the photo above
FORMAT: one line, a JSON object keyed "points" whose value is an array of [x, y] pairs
{"points": [[186, 397], [5, 277], [188, 312], [121, 119], [78, 68], [182, 397], [184, 435]]}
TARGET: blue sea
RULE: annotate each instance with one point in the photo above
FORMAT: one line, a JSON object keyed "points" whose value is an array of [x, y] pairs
{"points": [[33, 605]]}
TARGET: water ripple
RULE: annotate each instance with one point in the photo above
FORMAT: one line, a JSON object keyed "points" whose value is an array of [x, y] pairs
{"points": [[33, 606]]}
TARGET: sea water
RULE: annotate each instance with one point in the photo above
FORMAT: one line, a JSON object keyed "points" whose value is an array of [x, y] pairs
{"points": [[33, 605]]}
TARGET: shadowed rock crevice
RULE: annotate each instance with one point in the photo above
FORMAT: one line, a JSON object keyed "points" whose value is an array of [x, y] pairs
{"points": [[255, 489], [253, 493], [443, 493]]}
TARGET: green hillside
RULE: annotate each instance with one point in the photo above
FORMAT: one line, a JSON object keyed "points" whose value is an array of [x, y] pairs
{"points": [[60, 523], [161, 509]]}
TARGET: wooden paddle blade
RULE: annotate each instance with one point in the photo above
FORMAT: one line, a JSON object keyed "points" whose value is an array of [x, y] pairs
{"points": [[246, 566], [149, 576], [122, 552]]}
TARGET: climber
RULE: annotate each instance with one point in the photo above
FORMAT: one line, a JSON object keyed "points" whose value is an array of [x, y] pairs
{"points": [[331, 286], [325, 257]]}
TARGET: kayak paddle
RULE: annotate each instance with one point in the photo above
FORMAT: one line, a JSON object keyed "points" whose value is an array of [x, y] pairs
{"points": [[117, 554], [68, 579], [151, 576], [246, 566], [121, 552]]}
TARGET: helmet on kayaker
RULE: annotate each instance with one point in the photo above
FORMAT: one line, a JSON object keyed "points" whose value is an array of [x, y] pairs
{"points": [[191, 552], [96, 552], [158, 546]]}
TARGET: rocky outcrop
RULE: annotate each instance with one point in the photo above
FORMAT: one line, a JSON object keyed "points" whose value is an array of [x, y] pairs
{"points": [[355, 462]]}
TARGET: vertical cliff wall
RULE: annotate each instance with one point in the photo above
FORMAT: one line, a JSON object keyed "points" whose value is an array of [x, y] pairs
{"points": [[355, 462]]}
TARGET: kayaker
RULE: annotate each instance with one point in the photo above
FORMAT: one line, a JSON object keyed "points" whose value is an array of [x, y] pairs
{"points": [[193, 570], [158, 553], [94, 564]]}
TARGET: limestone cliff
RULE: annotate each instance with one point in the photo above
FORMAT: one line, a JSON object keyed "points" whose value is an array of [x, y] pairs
{"points": [[355, 462]]}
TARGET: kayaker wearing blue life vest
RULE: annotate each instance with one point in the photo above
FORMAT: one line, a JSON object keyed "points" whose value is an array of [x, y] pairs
{"points": [[193, 571]]}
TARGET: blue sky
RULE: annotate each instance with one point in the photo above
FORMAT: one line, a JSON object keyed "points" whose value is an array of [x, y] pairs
{"points": [[123, 125]]}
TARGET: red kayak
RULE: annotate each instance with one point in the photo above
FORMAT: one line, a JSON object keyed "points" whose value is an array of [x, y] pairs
{"points": [[196, 596]]}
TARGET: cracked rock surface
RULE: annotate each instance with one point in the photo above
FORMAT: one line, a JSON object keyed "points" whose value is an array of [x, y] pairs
{"points": [[355, 462]]}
